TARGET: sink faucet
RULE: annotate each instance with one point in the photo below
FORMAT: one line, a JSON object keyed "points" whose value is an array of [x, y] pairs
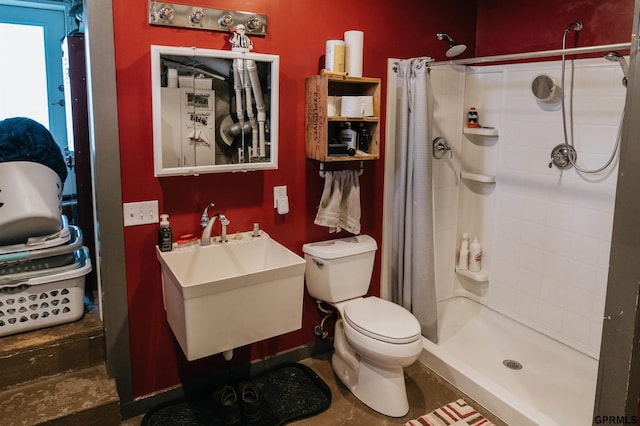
{"points": [[207, 224]]}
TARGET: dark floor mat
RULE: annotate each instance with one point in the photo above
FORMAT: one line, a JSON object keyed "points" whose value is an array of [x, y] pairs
{"points": [[290, 392]]}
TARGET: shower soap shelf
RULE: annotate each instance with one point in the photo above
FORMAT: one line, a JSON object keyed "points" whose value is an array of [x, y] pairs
{"points": [[480, 131], [478, 177], [481, 276]]}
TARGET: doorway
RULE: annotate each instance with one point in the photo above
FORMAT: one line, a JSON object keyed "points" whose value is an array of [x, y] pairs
{"points": [[33, 85]]}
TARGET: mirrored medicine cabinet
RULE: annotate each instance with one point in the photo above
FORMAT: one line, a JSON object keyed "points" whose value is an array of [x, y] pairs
{"points": [[213, 110]]}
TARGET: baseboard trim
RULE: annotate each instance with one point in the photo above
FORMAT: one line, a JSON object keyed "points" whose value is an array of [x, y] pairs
{"points": [[145, 403]]}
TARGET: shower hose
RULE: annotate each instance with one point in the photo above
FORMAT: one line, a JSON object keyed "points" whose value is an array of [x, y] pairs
{"points": [[564, 119]]}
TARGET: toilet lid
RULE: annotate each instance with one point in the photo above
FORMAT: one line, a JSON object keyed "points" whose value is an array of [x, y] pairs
{"points": [[382, 320]]}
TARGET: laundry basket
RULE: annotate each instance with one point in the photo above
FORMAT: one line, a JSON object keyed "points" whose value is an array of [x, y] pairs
{"points": [[38, 300], [41, 254], [30, 201]]}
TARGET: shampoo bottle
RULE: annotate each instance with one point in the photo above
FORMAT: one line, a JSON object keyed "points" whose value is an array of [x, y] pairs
{"points": [[363, 138], [463, 259], [475, 256], [472, 118], [165, 241]]}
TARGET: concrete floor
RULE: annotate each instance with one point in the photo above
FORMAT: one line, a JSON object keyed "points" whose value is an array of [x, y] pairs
{"points": [[426, 391]]}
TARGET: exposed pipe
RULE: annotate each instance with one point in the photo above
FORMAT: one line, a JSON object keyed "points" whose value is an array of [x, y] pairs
{"points": [[237, 86], [245, 78], [260, 106], [249, 106]]}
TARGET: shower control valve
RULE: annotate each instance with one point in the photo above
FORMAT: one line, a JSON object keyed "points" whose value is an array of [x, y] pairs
{"points": [[563, 156], [440, 148]]}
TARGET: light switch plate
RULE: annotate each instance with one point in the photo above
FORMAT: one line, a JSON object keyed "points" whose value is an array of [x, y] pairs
{"points": [[140, 213]]}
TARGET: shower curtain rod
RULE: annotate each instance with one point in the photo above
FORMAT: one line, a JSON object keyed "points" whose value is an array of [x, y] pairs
{"points": [[538, 54]]}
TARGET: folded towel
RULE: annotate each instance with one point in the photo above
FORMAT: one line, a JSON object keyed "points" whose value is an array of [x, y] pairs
{"points": [[340, 203]]}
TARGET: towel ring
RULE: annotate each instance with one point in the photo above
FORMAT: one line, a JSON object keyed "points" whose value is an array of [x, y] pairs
{"points": [[323, 172]]}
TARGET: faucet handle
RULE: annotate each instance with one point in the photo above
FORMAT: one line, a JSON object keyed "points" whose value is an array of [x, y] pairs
{"points": [[223, 219], [204, 219]]}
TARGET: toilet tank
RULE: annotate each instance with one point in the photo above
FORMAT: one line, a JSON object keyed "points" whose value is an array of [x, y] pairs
{"points": [[339, 269]]}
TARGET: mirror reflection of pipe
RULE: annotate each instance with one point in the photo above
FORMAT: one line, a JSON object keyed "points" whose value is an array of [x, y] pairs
{"points": [[245, 78], [218, 74], [237, 86], [260, 106], [236, 129], [246, 82]]}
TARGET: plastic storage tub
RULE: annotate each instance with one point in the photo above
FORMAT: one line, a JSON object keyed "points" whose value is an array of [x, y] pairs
{"points": [[30, 201], [42, 301], [40, 257]]}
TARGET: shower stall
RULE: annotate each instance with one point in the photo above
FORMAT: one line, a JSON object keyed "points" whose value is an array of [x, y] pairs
{"points": [[523, 336]]}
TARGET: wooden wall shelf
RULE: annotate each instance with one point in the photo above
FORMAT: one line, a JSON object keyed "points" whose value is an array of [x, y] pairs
{"points": [[321, 129]]}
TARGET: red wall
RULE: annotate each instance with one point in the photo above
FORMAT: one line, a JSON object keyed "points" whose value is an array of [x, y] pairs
{"points": [[506, 26], [297, 31]]}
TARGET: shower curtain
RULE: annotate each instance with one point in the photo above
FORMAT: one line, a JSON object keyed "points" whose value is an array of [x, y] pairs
{"points": [[413, 276]]}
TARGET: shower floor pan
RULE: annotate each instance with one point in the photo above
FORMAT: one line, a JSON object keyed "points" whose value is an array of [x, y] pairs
{"points": [[555, 386]]}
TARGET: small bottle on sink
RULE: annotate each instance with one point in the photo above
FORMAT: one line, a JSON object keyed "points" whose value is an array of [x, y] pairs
{"points": [[165, 240]]}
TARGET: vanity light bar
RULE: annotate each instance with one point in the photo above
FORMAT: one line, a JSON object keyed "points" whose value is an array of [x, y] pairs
{"points": [[205, 18]]}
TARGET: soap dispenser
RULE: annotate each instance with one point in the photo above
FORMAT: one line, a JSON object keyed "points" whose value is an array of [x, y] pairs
{"points": [[165, 241]]}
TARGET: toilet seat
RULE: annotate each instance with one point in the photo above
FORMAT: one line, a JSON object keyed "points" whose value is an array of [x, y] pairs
{"points": [[382, 320]]}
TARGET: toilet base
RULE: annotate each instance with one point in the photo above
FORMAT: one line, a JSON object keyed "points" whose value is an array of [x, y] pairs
{"points": [[381, 388]]}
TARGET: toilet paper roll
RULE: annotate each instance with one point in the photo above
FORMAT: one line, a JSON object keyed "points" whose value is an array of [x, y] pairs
{"points": [[172, 77], [357, 106], [334, 56], [354, 44], [367, 106], [333, 106]]}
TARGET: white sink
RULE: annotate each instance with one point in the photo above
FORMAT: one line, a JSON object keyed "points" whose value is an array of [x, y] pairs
{"points": [[227, 295]]}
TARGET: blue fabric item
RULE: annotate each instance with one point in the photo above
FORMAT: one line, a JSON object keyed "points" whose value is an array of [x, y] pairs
{"points": [[23, 139]]}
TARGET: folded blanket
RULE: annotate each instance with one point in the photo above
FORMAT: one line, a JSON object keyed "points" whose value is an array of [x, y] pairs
{"points": [[340, 203]]}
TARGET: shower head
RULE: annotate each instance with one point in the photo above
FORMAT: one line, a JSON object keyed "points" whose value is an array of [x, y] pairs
{"points": [[455, 48], [577, 26], [616, 57]]}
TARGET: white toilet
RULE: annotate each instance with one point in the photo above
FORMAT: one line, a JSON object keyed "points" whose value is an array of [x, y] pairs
{"points": [[374, 339]]}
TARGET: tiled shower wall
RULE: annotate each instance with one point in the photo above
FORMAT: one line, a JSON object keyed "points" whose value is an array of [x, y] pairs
{"points": [[546, 232]]}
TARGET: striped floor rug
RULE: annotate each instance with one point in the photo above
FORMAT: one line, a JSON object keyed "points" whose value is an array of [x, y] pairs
{"points": [[457, 413]]}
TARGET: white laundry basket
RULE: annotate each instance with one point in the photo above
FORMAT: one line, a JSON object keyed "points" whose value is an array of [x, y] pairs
{"points": [[30, 201], [43, 300]]}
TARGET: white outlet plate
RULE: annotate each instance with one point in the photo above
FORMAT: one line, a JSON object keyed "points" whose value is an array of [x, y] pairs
{"points": [[278, 192], [140, 213]]}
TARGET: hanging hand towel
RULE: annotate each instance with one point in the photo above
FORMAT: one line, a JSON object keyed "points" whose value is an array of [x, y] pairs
{"points": [[340, 203]]}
